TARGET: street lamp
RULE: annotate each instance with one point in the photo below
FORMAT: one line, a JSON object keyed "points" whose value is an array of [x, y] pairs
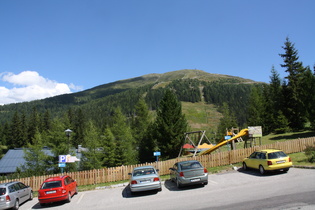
{"points": [[68, 133]]}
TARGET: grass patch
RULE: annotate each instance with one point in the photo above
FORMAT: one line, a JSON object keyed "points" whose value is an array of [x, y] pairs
{"points": [[300, 159]]}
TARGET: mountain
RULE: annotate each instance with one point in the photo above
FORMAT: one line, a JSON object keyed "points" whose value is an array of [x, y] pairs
{"points": [[190, 85]]}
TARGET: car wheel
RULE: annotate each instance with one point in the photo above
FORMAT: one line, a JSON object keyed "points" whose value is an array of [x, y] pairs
{"points": [[261, 170], [16, 205], [205, 183], [31, 196], [244, 166], [285, 170], [178, 184], [69, 198]]}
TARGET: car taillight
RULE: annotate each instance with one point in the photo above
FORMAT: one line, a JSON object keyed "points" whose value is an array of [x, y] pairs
{"points": [[290, 159], [205, 170], [133, 182], [63, 191], [269, 163], [7, 198], [181, 174], [156, 179]]}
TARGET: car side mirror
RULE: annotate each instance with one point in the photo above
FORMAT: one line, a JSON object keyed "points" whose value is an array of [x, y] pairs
{"points": [[172, 169], [157, 170], [129, 173]]}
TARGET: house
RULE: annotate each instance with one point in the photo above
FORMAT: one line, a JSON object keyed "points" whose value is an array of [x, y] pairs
{"points": [[14, 158]]}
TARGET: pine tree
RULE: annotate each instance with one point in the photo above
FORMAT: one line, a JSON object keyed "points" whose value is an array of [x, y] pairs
{"points": [[125, 144], [294, 108], [16, 140], [37, 161], [256, 107], [58, 142], [109, 147], [92, 158], [170, 125], [308, 97], [140, 123], [33, 124]]}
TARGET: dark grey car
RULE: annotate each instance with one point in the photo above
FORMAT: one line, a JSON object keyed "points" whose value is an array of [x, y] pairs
{"points": [[189, 173], [12, 194]]}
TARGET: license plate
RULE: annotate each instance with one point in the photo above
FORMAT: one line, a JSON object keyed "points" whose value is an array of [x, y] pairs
{"points": [[281, 161], [144, 181], [195, 180], [50, 192]]}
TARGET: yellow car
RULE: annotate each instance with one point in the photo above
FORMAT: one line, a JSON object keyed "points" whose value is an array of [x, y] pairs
{"points": [[268, 160]]}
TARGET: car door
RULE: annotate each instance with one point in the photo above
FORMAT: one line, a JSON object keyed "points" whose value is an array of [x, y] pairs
{"points": [[23, 192], [173, 172], [253, 160], [73, 186], [69, 185]]}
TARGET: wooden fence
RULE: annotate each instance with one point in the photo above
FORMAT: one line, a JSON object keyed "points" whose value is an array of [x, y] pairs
{"points": [[120, 173]]}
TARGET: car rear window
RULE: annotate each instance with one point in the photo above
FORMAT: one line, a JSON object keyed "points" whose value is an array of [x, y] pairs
{"points": [[52, 184], [2, 191], [190, 165], [275, 155], [142, 172]]}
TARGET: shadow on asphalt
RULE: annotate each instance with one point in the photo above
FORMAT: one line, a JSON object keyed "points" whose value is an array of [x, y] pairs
{"points": [[49, 205], [255, 172], [126, 193], [171, 186]]}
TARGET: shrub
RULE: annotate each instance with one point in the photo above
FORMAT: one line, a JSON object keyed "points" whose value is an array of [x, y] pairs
{"points": [[310, 153]]}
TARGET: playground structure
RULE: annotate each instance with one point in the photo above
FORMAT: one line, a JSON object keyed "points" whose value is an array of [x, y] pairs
{"points": [[201, 135], [251, 133]]}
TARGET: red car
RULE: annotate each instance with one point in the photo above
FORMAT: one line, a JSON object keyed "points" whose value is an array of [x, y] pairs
{"points": [[59, 188]]}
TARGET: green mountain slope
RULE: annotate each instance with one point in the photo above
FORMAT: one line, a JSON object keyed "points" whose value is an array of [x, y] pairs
{"points": [[98, 102]]}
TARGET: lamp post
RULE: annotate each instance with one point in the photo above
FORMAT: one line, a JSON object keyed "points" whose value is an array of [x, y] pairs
{"points": [[68, 133]]}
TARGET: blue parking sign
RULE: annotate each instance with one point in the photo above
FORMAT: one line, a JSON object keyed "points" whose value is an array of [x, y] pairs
{"points": [[62, 158], [157, 153]]}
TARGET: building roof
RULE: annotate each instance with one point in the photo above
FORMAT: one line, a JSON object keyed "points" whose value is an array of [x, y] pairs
{"points": [[188, 146], [15, 158]]}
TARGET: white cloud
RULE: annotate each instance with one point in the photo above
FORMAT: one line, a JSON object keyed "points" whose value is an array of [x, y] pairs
{"points": [[29, 85]]}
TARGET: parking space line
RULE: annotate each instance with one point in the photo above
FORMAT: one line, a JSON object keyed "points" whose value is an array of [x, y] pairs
{"points": [[81, 196]]}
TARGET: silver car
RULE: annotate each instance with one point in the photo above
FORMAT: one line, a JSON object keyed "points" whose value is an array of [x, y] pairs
{"points": [[189, 173], [145, 178], [12, 194]]}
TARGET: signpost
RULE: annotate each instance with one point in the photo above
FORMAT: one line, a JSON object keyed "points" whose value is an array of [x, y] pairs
{"points": [[63, 159], [157, 154]]}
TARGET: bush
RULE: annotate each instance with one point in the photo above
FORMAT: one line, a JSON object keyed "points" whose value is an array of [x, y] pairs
{"points": [[310, 153]]}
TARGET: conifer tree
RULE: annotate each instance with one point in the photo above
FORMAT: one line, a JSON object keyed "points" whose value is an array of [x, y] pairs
{"points": [[256, 107], [294, 107], [92, 158], [37, 161], [16, 140], [125, 145], [109, 147], [140, 122], [309, 97], [170, 125]]}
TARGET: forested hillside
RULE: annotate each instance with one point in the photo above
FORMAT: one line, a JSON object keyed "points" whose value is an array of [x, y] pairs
{"points": [[111, 111]]}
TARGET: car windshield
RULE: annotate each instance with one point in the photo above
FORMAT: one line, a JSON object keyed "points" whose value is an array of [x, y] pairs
{"points": [[144, 171], [2, 191], [190, 165], [275, 155], [52, 184]]}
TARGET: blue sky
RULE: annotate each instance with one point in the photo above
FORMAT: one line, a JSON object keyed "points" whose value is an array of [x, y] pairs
{"points": [[51, 47]]}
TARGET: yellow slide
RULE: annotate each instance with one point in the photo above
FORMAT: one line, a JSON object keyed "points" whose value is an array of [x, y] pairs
{"points": [[240, 134]]}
